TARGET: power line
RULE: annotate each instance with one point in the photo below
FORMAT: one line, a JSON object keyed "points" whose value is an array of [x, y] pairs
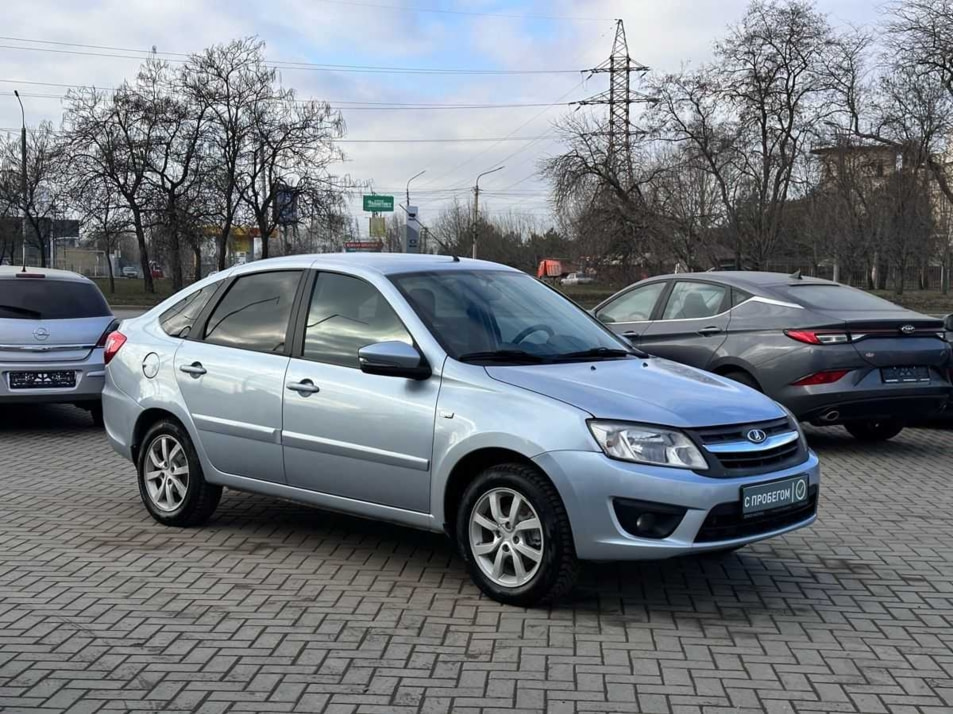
{"points": [[438, 141], [180, 58], [415, 8], [351, 104]]}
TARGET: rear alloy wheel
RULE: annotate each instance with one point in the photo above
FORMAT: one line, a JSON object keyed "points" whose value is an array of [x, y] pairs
{"points": [[171, 483], [874, 429], [514, 534]]}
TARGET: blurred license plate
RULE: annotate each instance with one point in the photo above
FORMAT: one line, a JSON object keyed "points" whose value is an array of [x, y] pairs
{"points": [[42, 380], [777, 494], [903, 375]]}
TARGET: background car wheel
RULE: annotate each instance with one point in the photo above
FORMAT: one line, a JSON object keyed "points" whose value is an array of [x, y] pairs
{"points": [[513, 532], [171, 483], [743, 378], [874, 429], [96, 412]]}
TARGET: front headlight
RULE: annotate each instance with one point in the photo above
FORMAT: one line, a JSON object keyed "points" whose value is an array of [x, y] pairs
{"points": [[647, 444]]}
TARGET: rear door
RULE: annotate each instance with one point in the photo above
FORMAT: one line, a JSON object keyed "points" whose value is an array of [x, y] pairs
{"points": [[692, 324], [629, 313], [231, 375]]}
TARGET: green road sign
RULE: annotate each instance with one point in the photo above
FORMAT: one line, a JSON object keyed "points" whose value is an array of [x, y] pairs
{"points": [[378, 204]]}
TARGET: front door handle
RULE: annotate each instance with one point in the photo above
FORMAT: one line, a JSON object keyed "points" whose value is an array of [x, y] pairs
{"points": [[631, 334], [712, 330], [195, 369], [304, 387]]}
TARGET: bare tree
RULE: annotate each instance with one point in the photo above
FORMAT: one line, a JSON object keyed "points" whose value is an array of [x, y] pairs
{"points": [[112, 137]]}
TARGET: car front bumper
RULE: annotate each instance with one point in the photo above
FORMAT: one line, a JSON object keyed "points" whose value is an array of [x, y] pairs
{"points": [[90, 377], [588, 482]]}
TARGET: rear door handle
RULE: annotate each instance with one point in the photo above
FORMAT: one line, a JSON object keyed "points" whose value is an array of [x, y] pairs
{"points": [[195, 369], [709, 330], [304, 387]]}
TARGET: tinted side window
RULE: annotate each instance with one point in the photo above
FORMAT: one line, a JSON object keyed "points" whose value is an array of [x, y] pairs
{"points": [[834, 297], [254, 313], [50, 299], [635, 306], [689, 301], [345, 315], [177, 321]]}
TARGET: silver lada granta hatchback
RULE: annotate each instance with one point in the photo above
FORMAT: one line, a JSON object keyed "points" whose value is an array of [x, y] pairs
{"points": [[450, 395]]}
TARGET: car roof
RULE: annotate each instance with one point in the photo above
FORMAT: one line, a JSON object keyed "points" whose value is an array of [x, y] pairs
{"points": [[750, 279], [382, 263], [11, 271]]}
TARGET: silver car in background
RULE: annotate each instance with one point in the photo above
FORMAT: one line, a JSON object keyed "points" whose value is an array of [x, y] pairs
{"points": [[53, 329], [450, 395]]}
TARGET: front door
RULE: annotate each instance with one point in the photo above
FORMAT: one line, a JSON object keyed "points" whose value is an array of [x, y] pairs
{"points": [[629, 313], [692, 325], [347, 433], [232, 376]]}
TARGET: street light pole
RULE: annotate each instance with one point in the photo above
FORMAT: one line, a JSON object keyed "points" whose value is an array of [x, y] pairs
{"points": [[417, 175], [476, 205], [23, 187]]}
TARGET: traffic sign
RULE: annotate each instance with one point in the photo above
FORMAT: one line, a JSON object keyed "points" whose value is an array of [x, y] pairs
{"points": [[377, 203]]}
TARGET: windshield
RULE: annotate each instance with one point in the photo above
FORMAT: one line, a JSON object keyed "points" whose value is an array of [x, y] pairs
{"points": [[46, 299], [505, 317]]}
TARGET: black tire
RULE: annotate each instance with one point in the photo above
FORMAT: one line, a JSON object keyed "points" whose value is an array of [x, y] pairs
{"points": [[874, 429], [558, 567], [743, 378], [96, 412], [201, 498]]}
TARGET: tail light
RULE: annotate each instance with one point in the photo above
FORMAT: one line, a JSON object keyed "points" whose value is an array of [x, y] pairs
{"points": [[114, 342], [113, 326], [828, 377], [813, 337]]}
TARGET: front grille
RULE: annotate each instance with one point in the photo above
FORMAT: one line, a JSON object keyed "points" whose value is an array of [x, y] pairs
{"points": [[750, 461], [726, 522], [736, 432]]}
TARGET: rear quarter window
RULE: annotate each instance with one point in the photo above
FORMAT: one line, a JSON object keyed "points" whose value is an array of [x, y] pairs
{"points": [[46, 299], [178, 320]]}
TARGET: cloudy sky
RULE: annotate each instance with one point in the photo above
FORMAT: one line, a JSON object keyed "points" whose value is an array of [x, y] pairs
{"points": [[536, 48]]}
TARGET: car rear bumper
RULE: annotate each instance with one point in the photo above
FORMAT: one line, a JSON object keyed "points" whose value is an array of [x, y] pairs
{"points": [[904, 404], [90, 377], [120, 415], [590, 484]]}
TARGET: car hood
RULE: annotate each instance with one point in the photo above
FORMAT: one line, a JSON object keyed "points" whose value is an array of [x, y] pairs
{"points": [[654, 391]]}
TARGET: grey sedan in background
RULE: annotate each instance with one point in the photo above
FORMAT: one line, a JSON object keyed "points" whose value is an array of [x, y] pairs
{"points": [[830, 353], [53, 329]]}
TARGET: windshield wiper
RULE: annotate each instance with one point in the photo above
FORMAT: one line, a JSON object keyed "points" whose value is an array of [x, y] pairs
{"points": [[22, 310], [503, 356], [601, 353]]}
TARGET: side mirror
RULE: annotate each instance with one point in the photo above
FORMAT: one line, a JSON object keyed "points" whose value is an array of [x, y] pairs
{"points": [[604, 319], [393, 359], [948, 323]]}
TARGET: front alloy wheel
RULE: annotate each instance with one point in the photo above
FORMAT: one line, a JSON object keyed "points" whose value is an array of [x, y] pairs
{"points": [[506, 537], [514, 534]]}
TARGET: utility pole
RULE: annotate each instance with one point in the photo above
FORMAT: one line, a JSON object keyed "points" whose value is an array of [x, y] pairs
{"points": [[620, 98], [476, 206], [23, 184]]}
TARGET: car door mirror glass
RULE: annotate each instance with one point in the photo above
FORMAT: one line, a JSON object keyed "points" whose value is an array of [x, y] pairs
{"points": [[393, 359], [604, 318], [948, 323]]}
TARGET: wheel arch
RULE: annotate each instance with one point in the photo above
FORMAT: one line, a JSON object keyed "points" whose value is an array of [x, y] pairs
{"points": [[147, 419], [471, 465]]}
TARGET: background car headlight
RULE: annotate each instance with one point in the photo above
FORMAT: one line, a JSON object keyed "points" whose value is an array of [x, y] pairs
{"points": [[647, 444]]}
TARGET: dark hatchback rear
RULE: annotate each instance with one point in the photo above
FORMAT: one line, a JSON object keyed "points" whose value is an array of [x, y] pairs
{"points": [[830, 353]]}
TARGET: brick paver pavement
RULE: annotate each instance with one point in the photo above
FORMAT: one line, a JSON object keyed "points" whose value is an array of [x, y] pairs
{"points": [[277, 607]]}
